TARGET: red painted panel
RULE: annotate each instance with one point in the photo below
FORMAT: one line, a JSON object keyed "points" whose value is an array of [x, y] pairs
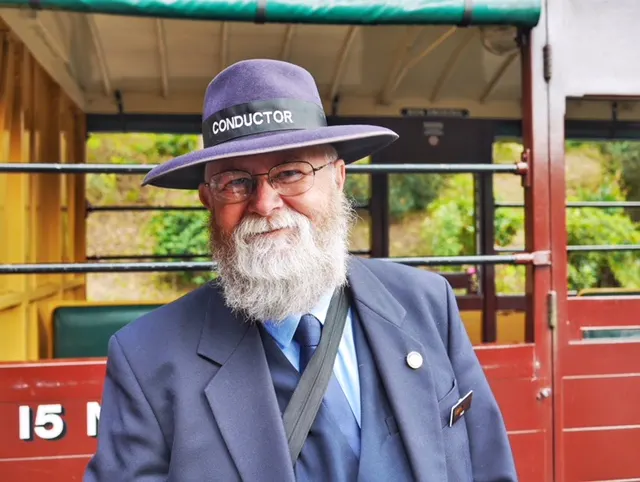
{"points": [[48, 409], [67, 386], [603, 312], [43, 380], [518, 403], [593, 358], [597, 402], [602, 455], [600, 393], [528, 450], [507, 361], [56, 470], [512, 376]]}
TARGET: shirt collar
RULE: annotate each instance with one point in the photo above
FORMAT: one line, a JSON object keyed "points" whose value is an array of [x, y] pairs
{"points": [[283, 332]]}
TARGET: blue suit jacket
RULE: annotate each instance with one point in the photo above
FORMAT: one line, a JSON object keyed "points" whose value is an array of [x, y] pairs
{"points": [[188, 395]]}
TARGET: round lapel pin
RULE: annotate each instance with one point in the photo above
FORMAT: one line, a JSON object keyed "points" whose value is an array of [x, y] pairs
{"points": [[414, 359]]}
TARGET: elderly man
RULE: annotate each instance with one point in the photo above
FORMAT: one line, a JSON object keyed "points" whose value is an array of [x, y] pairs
{"points": [[220, 384]]}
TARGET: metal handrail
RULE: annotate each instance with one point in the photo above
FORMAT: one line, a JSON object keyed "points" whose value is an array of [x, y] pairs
{"points": [[127, 208], [582, 204], [520, 168], [111, 257], [603, 248], [96, 209], [35, 268], [582, 248]]}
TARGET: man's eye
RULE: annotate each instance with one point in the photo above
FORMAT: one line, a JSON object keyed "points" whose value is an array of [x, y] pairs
{"points": [[233, 184], [236, 183], [289, 175]]}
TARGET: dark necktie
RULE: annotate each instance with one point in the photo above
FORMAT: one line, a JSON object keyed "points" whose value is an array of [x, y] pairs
{"points": [[308, 336]]}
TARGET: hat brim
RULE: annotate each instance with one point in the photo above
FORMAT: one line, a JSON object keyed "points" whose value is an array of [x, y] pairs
{"points": [[352, 142]]}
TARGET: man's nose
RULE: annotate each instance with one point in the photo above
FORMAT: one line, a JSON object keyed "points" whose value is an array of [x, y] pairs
{"points": [[264, 199]]}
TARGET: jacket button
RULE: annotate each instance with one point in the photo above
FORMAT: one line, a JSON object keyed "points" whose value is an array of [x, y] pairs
{"points": [[414, 359]]}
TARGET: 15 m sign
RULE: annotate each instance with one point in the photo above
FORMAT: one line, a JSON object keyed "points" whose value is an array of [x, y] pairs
{"points": [[48, 422]]}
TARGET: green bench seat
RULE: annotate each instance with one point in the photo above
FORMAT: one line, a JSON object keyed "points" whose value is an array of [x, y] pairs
{"points": [[84, 331]]}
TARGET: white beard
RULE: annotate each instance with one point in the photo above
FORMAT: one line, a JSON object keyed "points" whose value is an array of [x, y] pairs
{"points": [[270, 278]]}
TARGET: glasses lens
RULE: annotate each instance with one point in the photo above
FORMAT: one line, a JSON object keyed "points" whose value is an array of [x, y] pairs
{"points": [[231, 185], [291, 178]]}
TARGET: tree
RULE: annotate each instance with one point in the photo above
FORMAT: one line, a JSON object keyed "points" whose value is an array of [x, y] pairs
{"points": [[595, 226], [624, 162], [448, 230]]}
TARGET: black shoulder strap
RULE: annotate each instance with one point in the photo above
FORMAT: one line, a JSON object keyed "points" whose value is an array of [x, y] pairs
{"points": [[307, 397]]}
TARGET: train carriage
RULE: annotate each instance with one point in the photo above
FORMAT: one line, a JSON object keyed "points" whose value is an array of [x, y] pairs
{"points": [[453, 78]]}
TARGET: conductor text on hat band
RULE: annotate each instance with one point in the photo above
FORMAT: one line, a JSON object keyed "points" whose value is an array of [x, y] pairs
{"points": [[257, 118]]}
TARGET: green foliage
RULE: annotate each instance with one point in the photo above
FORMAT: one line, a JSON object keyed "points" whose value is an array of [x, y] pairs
{"points": [[357, 186], [598, 227], [407, 193], [506, 152], [411, 192], [624, 162], [446, 203], [177, 232], [167, 145], [181, 232], [449, 228], [129, 149]]}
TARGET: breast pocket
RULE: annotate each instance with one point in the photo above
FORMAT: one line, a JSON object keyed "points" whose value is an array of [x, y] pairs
{"points": [[448, 401], [456, 441]]}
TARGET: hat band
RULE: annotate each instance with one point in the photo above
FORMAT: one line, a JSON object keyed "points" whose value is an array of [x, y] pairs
{"points": [[259, 117]]}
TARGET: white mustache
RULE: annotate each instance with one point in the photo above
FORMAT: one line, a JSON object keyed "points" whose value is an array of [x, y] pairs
{"points": [[260, 225]]}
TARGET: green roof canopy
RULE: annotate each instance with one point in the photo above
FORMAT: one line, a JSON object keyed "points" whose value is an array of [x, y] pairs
{"points": [[525, 13]]}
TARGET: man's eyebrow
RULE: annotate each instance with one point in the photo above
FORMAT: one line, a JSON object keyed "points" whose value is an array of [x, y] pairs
{"points": [[288, 159], [228, 169]]}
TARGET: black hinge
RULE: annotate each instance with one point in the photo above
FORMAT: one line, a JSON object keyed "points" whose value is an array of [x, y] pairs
{"points": [[546, 62]]}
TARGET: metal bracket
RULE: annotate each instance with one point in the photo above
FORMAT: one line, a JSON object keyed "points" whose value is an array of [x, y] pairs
{"points": [[537, 258], [335, 105], [546, 62], [524, 167], [544, 393], [614, 119], [552, 309], [541, 258], [117, 95]]}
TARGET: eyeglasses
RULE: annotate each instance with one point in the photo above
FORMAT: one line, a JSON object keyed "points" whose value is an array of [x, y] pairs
{"points": [[287, 179]]}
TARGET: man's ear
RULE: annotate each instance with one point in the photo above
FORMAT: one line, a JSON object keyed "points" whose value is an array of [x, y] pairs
{"points": [[205, 196], [341, 173]]}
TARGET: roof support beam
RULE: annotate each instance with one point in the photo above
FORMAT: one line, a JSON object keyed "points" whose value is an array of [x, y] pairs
{"points": [[51, 42], [100, 55], [411, 36], [406, 64], [161, 40], [224, 45], [285, 53], [491, 85], [451, 63], [35, 41], [340, 64]]}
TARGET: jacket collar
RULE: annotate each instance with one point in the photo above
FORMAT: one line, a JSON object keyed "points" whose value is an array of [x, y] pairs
{"points": [[241, 395]]}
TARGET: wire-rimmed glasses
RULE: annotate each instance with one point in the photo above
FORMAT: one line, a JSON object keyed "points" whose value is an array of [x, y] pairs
{"points": [[287, 179]]}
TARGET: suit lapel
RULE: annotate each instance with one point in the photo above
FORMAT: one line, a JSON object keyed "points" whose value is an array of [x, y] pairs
{"points": [[410, 391], [242, 397]]}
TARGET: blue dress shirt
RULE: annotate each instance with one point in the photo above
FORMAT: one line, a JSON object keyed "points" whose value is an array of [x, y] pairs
{"points": [[346, 365]]}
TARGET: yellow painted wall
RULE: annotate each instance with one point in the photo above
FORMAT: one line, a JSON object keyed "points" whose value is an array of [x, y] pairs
{"points": [[42, 216], [510, 329]]}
